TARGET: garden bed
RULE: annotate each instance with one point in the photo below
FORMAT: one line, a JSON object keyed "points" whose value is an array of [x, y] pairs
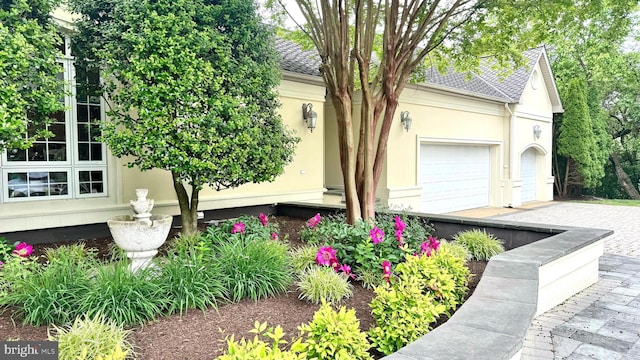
{"points": [[198, 335]]}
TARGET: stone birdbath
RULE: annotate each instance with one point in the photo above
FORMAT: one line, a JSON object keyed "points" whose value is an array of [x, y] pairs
{"points": [[142, 234]]}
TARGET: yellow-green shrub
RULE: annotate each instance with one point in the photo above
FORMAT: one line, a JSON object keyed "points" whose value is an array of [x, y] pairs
{"points": [[419, 293], [335, 335], [93, 338], [322, 283], [259, 349]]}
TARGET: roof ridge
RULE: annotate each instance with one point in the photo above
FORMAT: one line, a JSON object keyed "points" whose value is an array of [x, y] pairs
{"points": [[492, 86]]}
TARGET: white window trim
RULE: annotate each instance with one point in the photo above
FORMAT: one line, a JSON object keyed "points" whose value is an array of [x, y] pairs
{"points": [[5, 188], [76, 182]]}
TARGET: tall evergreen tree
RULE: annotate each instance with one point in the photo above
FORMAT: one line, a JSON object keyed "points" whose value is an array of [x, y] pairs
{"points": [[576, 140]]}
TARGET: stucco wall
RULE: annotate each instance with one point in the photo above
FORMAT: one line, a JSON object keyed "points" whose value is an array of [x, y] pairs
{"points": [[302, 179], [534, 110], [438, 117]]}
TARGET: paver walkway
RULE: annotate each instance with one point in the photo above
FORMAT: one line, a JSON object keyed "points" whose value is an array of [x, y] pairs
{"points": [[603, 321]]}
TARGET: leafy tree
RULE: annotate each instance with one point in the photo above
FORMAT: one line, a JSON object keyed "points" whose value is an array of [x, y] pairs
{"points": [[378, 47], [29, 89], [589, 48], [193, 87], [622, 104]]}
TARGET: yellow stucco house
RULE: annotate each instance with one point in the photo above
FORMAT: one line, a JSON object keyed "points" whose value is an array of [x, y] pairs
{"points": [[471, 144]]}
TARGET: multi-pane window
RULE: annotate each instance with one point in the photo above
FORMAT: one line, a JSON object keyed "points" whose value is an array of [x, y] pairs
{"points": [[72, 162], [89, 113], [30, 184]]}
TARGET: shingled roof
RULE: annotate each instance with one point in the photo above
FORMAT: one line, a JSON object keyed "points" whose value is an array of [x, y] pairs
{"points": [[297, 60], [485, 83]]}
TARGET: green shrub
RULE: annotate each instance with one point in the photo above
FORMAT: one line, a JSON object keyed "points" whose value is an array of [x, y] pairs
{"points": [[92, 338], [481, 245], [403, 313], [253, 230], [123, 296], [335, 335], [303, 258], [451, 258], [369, 279], [456, 249], [70, 254], [419, 293], [190, 281], [253, 269], [5, 249], [322, 283], [415, 232], [354, 247], [51, 293], [259, 349], [434, 273], [184, 243]]}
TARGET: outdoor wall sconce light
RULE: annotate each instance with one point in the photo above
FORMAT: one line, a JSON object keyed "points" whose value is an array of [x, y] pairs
{"points": [[309, 116], [405, 120], [537, 131]]}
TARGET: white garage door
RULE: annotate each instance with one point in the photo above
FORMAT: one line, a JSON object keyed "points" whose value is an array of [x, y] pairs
{"points": [[528, 175], [454, 177]]}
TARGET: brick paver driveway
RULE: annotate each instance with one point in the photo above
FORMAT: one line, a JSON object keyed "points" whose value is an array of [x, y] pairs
{"points": [[603, 321], [623, 220]]}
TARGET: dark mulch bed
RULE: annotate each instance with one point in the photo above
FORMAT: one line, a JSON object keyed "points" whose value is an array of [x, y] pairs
{"points": [[198, 335]]}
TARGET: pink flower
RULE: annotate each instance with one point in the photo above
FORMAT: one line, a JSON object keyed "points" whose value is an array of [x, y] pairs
{"points": [[386, 270], [400, 226], [433, 241], [326, 256], [1, 263], [314, 221], [346, 270], [238, 228], [432, 244], [376, 235], [23, 249], [274, 236], [399, 237], [263, 219]]}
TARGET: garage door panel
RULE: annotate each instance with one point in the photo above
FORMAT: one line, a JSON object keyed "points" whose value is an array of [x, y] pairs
{"points": [[454, 177]]}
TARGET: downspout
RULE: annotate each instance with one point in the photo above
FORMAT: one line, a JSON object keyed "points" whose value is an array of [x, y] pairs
{"points": [[512, 153], [512, 139]]}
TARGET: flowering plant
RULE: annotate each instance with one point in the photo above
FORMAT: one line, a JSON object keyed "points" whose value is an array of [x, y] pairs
{"points": [[326, 256], [376, 235], [363, 245], [23, 249], [400, 226], [238, 227], [245, 228], [20, 249], [314, 221], [263, 219], [386, 271], [432, 244]]}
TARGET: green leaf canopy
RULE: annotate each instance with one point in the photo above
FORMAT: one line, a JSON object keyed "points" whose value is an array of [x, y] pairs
{"points": [[29, 89], [192, 85]]}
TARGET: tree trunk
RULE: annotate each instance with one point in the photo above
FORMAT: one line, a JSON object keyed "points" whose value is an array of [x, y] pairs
{"points": [[565, 187], [342, 104], [623, 178], [188, 209]]}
